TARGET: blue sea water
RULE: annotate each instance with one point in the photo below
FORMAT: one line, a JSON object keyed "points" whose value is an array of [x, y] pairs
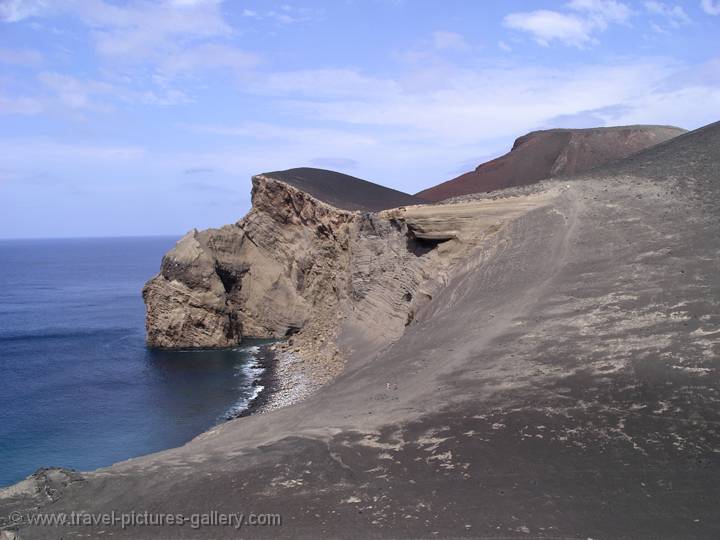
{"points": [[79, 387]]}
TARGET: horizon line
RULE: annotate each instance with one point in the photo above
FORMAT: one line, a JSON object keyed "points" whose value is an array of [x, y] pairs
{"points": [[101, 237]]}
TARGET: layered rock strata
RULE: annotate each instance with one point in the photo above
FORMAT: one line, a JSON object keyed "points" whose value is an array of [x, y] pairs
{"points": [[325, 278]]}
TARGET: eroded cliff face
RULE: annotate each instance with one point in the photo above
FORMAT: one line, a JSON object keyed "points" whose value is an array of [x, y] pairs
{"points": [[257, 277], [333, 279]]}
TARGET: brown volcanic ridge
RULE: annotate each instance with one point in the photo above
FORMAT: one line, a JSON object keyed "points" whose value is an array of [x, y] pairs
{"points": [[550, 153], [544, 364]]}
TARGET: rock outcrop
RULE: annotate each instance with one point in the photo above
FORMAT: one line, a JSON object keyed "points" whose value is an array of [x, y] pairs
{"points": [[327, 276], [264, 276], [550, 153], [257, 277]]}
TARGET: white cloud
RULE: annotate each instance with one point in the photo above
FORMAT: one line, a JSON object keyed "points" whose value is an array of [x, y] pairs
{"points": [[436, 48], [407, 136], [190, 3], [287, 14], [675, 15], [711, 7], [412, 135], [458, 112], [72, 92], [147, 30], [673, 106], [322, 83], [602, 11], [58, 90], [142, 46], [263, 131], [152, 33], [21, 151], [504, 46], [20, 57], [208, 56], [337, 163], [450, 41], [89, 94], [574, 28], [17, 10], [162, 97], [24, 106], [547, 26]]}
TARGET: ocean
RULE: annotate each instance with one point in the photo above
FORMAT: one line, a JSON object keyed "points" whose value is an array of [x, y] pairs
{"points": [[79, 387]]}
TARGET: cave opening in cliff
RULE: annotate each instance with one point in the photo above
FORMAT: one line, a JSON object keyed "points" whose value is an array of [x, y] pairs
{"points": [[423, 246], [230, 277], [292, 330]]}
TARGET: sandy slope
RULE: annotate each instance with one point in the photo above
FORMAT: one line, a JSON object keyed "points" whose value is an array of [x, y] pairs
{"points": [[563, 384]]}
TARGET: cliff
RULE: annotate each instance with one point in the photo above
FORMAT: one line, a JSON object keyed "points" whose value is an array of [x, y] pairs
{"points": [[298, 266], [257, 277], [551, 153], [291, 260]]}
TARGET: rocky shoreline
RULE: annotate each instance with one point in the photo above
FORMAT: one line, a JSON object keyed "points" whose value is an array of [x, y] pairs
{"points": [[291, 383], [265, 359], [286, 379]]}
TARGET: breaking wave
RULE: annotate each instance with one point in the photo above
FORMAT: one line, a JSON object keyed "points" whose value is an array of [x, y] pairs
{"points": [[250, 376]]}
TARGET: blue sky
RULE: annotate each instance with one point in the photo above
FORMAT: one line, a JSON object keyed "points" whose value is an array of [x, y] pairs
{"points": [[149, 117]]}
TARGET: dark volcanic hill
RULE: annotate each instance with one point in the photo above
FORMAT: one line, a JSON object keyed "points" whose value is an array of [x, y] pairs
{"points": [[555, 152], [343, 191]]}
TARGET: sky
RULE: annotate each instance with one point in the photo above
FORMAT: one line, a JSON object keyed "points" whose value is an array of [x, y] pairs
{"points": [[150, 117]]}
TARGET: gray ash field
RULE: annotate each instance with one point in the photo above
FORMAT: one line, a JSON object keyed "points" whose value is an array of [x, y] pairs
{"points": [[562, 383]]}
